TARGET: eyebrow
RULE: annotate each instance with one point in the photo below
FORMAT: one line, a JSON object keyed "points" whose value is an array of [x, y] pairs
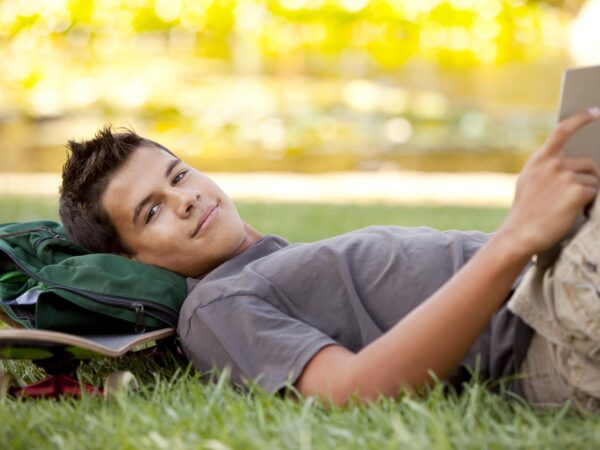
{"points": [[147, 198], [171, 166]]}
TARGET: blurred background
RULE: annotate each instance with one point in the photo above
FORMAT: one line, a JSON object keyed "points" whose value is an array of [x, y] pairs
{"points": [[292, 85]]}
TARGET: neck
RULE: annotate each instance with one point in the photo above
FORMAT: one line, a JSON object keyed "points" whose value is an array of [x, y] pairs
{"points": [[251, 237]]}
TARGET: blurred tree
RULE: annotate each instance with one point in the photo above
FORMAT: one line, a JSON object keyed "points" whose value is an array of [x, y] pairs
{"points": [[289, 78]]}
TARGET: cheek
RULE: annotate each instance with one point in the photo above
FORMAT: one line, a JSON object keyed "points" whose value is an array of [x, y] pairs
{"points": [[230, 225], [160, 237], [231, 212]]}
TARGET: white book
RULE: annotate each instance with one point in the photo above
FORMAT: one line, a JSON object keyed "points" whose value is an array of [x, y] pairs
{"points": [[580, 91]]}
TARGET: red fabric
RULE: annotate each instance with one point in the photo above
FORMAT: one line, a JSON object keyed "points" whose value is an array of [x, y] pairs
{"points": [[55, 386]]}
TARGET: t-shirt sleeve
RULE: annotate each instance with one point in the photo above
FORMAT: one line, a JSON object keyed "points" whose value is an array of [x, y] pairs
{"points": [[251, 337]]}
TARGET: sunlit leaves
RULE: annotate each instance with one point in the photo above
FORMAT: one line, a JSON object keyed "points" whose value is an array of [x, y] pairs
{"points": [[451, 32], [360, 69]]}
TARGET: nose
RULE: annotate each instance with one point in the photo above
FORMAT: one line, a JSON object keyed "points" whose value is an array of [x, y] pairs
{"points": [[184, 201]]}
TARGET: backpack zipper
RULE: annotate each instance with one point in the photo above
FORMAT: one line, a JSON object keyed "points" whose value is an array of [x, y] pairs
{"points": [[38, 242], [140, 327], [162, 313], [33, 230]]}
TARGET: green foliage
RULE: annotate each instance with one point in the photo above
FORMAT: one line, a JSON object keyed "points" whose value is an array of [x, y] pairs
{"points": [[381, 27]]}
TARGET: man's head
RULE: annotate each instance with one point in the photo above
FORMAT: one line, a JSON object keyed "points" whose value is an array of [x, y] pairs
{"points": [[124, 194]]}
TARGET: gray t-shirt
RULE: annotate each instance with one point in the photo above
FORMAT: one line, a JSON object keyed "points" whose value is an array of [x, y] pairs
{"points": [[267, 311]]}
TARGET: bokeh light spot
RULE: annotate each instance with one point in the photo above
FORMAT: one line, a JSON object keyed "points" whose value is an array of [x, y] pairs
{"points": [[353, 5], [361, 95], [430, 104], [167, 10], [398, 130], [584, 39]]}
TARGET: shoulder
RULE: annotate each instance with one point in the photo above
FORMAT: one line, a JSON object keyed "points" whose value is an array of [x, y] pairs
{"points": [[253, 338]]}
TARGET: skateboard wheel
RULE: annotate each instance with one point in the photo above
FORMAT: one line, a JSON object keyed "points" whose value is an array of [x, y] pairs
{"points": [[7, 380], [119, 382]]}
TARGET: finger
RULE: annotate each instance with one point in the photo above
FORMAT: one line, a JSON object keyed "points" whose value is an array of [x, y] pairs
{"points": [[589, 193], [582, 193], [582, 164], [587, 180], [567, 127]]}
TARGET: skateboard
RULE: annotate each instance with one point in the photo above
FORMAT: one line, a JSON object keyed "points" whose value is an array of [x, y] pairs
{"points": [[59, 354]]}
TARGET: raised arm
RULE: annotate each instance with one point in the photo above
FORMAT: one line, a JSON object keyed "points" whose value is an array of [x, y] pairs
{"points": [[551, 190]]}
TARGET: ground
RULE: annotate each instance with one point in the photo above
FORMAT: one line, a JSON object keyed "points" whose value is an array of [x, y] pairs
{"points": [[176, 410]]}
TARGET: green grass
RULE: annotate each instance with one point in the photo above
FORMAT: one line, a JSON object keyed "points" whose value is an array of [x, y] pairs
{"points": [[301, 222], [175, 410]]}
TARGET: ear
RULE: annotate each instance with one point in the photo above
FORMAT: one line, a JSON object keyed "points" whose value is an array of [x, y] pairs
{"points": [[127, 255], [122, 250]]}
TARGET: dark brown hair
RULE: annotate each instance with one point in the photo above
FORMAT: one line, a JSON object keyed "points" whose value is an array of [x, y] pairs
{"points": [[85, 176]]}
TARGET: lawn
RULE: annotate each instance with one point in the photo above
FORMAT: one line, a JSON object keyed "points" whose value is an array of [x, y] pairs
{"points": [[175, 410]]}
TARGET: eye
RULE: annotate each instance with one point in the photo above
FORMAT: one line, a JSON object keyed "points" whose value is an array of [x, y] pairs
{"points": [[151, 212], [179, 177]]}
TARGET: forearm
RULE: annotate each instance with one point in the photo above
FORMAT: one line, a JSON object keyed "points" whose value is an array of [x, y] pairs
{"points": [[437, 335], [551, 191]]}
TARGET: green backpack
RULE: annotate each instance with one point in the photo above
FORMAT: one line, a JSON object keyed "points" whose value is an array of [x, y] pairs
{"points": [[48, 282]]}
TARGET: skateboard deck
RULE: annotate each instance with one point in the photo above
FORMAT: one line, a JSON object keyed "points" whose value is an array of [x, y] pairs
{"points": [[43, 344], [59, 354]]}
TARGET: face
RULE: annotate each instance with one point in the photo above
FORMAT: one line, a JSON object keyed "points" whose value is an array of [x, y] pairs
{"points": [[173, 216]]}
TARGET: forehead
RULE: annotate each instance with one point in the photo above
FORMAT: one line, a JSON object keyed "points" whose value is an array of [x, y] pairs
{"points": [[134, 180]]}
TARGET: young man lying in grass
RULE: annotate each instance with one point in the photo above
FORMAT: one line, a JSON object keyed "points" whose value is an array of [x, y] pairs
{"points": [[362, 314]]}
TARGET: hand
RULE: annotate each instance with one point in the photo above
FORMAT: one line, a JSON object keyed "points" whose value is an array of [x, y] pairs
{"points": [[552, 189]]}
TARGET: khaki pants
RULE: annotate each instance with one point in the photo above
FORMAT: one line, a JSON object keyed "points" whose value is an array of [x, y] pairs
{"points": [[562, 305]]}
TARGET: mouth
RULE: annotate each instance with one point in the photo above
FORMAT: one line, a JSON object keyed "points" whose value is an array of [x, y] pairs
{"points": [[206, 218]]}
